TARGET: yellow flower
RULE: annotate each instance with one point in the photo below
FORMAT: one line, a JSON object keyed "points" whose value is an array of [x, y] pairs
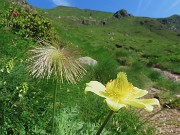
{"points": [[120, 93]]}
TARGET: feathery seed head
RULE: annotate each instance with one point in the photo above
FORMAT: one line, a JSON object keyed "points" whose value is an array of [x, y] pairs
{"points": [[59, 63]]}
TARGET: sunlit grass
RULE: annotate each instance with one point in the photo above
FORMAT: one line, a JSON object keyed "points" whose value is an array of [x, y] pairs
{"points": [[141, 49]]}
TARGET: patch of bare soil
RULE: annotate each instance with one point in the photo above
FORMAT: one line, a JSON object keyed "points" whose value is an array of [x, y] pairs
{"points": [[169, 75], [165, 119]]}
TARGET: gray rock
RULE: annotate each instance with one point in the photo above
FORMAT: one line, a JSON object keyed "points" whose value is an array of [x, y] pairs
{"points": [[88, 61], [89, 21]]}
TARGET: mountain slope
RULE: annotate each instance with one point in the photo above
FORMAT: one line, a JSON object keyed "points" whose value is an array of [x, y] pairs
{"points": [[151, 41]]}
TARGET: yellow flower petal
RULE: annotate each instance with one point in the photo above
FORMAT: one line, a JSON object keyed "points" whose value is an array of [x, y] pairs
{"points": [[95, 87], [152, 101], [140, 93], [149, 108], [136, 103], [114, 104], [144, 103]]}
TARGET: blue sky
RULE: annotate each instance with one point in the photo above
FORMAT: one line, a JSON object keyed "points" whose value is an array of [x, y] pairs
{"points": [[148, 8]]}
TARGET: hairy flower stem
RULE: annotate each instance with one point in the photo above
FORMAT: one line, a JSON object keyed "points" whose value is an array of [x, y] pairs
{"points": [[54, 107], [105, 122]]}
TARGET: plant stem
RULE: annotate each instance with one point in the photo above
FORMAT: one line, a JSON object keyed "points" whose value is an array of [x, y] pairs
{"points": [[54, 107], [105, 122]]}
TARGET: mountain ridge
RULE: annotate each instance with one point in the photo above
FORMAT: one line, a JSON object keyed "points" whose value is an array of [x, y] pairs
{"points": [[91, 16]]}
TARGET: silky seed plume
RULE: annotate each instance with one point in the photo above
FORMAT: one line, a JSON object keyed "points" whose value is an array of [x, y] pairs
{"points": [[59, 63]]}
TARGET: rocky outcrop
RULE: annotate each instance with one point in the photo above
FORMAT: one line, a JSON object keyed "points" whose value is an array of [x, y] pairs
{"points": [[172, 22], [121, 13], [175, 19]]}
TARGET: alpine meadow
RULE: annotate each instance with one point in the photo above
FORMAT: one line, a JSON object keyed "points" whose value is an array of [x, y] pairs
{"points": [[70, 71]]}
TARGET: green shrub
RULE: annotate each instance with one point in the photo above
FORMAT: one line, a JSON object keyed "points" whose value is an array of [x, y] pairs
{"points": [[27, 23]]}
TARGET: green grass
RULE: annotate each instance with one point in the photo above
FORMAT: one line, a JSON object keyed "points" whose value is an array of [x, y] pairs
{"points": [[141, 47]]}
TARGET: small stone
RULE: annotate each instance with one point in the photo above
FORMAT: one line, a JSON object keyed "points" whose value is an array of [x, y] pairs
{"points": [[178, 96], [88, 61]]}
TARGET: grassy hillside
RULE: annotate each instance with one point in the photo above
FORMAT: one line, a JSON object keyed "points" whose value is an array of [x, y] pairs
{"points": [[150, 40], [131, 44]]}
